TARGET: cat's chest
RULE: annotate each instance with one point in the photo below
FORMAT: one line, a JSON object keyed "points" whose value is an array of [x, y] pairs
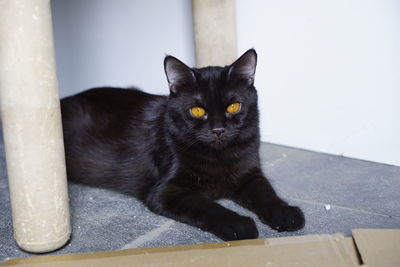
{"points": [[216, 176]]}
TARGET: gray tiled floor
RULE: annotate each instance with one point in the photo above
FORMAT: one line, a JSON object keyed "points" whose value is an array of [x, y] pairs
{"points": [[361, 194]]}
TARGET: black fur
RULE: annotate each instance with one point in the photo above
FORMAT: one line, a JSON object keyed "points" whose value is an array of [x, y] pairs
{"points": [[152, 148]]}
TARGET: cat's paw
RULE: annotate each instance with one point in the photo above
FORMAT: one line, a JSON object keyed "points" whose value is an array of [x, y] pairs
{"points": [[236, 228], [283, 217]]}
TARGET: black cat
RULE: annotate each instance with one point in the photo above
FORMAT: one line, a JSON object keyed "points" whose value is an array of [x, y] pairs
{"points": [[180, 153]]}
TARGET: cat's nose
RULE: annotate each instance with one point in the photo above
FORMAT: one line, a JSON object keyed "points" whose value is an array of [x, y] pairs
{"points": [[218, 131]]}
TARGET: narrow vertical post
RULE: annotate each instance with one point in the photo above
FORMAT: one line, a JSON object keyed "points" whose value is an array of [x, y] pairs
{"points": [[30, 111], [215, 32]]}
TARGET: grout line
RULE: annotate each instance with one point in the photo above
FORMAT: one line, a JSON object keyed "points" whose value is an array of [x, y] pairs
{"points": [[149, 235], [345, 208], [331, 154]]}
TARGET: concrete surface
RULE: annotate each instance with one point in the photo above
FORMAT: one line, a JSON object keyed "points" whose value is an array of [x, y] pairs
{"points": [[360, 194]]}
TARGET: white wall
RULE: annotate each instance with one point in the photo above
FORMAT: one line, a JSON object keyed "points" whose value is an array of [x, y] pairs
{"points": [[119, 42], [328, 74]]}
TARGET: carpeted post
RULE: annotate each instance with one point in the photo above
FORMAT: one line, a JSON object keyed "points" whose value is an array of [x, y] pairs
{"points": [[32, 127], [214, 32]]}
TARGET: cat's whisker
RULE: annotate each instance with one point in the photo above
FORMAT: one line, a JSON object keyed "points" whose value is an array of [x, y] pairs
{"points": [[193, 140]]}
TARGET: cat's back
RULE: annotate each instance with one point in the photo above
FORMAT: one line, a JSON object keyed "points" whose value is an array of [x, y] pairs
{"points": [[108, 100], [105, 128], [106, 110], [113, 98]]}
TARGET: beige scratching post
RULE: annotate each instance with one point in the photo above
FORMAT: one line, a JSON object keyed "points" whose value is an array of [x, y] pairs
{"points": [[214, 32], [32, 127]]}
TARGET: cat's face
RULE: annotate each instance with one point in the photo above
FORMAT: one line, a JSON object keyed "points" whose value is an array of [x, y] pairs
{"points": [[215, 106]]}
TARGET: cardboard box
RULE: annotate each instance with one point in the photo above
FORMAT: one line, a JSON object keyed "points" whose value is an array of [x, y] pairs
{"points": [[367, 247]]}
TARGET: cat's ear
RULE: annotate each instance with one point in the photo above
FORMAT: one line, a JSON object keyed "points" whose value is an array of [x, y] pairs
{"points": [[244, 68], [178, 74]]}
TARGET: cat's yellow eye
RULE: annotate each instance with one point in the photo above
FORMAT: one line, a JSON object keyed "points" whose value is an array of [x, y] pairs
{"points": [[233, 108], [197, 112]]}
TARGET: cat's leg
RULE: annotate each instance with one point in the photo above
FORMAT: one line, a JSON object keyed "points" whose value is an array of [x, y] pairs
{"points": [[192, 207], [257, 194]]}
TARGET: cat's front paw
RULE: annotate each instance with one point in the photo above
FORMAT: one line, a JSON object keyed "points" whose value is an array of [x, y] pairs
{"points": [[234, 228], [283, 217]]}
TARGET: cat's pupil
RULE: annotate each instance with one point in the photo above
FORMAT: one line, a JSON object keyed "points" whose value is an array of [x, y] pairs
{"points": [[197, 112], [233, 108]]}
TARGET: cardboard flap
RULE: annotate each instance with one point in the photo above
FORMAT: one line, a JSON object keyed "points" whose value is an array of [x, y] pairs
{"points": [[312, 250], [378, 247]]}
